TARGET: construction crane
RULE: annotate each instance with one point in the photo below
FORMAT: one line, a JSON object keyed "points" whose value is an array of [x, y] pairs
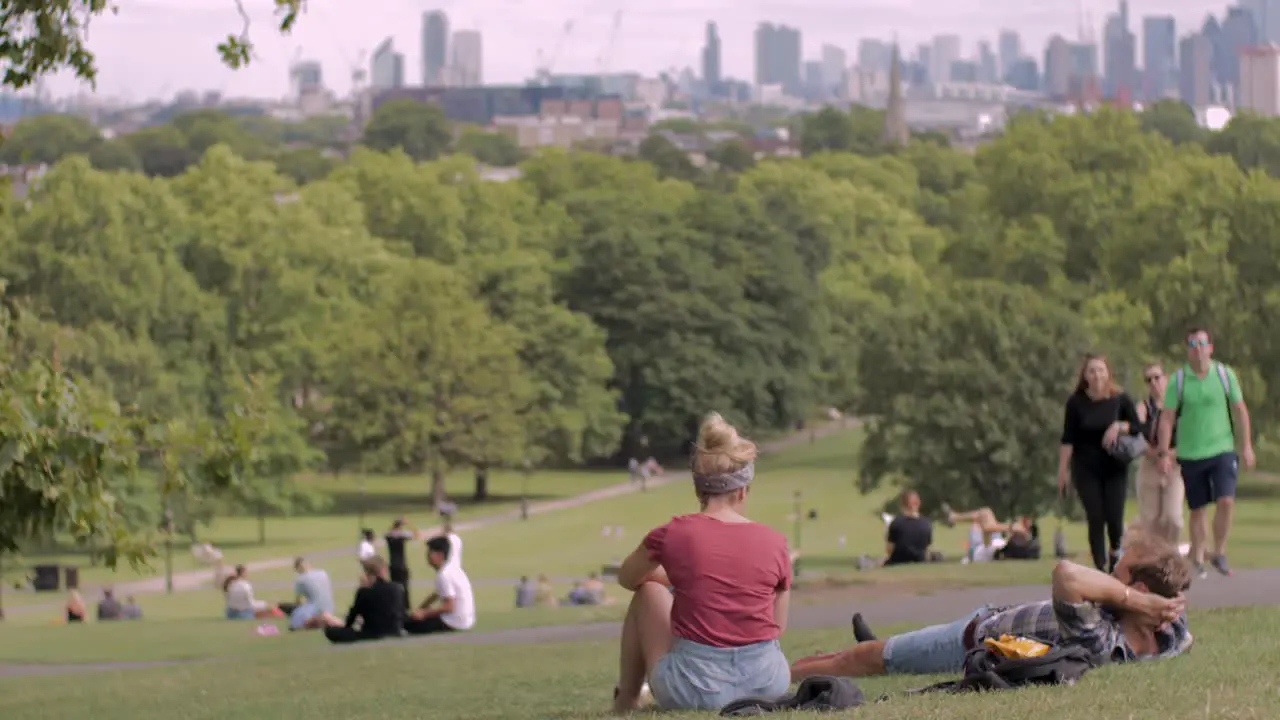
{"points": [[606, 56], [547, 62]]}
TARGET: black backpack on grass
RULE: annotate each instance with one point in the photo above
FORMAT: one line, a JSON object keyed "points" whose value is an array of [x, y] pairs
{"points": [[988, 670]]}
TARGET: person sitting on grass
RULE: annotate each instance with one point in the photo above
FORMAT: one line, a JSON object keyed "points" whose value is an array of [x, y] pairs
{"points": [[315, 597], [711, 592], [1136, 614], [241, 604], [452, 607], [75, 608], [376, 613], [131, 609], [909, 535], [109, 608]]}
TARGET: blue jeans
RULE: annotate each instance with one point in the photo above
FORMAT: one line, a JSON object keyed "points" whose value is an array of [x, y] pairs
{"points": [[240, 614], [694, 676], [934, 650], [302, 614], [1210, 479]]}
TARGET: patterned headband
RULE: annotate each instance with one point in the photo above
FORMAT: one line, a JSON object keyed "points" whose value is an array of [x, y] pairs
{"points": [[725, 482]]}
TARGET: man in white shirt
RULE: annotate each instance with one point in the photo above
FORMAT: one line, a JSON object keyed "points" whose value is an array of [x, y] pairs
{"points": [[452, 607], [367, 549]]}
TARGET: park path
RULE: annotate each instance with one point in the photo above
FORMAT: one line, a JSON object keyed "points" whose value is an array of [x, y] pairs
{"points": [[1246, 588], [201, 579]]}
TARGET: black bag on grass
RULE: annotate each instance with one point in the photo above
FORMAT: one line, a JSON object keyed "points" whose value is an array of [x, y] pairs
{"points": [[988, 670], [815, 694]]}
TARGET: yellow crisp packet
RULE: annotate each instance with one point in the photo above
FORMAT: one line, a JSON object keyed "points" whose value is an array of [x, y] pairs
{"points": [[1016, 648]]}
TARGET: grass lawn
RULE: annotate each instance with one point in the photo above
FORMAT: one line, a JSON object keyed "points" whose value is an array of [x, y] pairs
{"points": [[569, 543], [354, 501], [1224, 677]]}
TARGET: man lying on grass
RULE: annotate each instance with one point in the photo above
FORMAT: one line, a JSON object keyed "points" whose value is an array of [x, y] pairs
{"points": [[1136, 614]]}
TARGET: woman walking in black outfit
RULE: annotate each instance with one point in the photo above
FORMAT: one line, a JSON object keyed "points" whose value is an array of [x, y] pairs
{"points": [[1097, 414]]}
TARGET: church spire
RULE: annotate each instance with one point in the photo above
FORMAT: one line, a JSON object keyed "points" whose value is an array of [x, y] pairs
{"points": [[895, 117]]}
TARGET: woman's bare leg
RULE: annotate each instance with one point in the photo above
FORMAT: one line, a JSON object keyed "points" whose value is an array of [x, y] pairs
{"points": [[861, 660], [646, 637]]}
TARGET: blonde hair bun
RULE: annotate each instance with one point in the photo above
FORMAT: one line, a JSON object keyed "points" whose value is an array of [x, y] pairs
{"points": [[720, 449]]}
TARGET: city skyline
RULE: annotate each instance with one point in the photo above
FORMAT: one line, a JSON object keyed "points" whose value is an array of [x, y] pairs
{"points": [[181, 35]]}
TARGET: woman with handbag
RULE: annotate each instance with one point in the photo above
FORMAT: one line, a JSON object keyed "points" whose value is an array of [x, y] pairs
{"points": [[1101, 435], [1160, 494]]}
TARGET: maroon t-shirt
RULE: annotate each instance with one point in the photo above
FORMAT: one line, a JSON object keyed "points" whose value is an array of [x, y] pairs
{"points": [[725, 578]]}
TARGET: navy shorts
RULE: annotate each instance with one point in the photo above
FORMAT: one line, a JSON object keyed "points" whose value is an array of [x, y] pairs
{"points": [[1210, 479]]}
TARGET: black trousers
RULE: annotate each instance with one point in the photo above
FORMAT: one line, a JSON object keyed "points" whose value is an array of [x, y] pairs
{"points": [[344, 635], [1103, 498], [428, 626], [400, 576]]}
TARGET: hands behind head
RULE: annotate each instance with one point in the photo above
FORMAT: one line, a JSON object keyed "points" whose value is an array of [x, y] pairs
{"points": [[1155, 610]]}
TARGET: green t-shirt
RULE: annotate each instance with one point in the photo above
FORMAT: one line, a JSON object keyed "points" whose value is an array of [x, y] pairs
{"points": [[1205, 424]]}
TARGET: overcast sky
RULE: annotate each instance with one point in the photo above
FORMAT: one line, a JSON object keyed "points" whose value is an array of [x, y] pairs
{"points": [[155, 48]]}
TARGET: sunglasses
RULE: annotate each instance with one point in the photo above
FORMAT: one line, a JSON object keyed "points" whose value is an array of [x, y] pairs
{"points": [[1153, 378], [1197, 344]]}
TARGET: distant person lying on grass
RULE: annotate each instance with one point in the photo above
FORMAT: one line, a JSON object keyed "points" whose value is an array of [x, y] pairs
{"points": [[1136, 614], [711, 638], [452, 606], [378, 610], [991, 539], [909, 535]]}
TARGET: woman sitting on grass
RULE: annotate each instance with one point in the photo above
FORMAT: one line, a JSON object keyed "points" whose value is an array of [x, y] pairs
{"points": [[712, 637], [241, 604]]}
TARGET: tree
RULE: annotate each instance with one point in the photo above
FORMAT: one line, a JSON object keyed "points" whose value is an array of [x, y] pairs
{"points": [[47, 139], [497, 149], [277, 438], [670, 161], [63, 450], [970, 386], [1175, 120], [304, 165], [419, 130], [425, 379], [44, 37], [115, 155]]}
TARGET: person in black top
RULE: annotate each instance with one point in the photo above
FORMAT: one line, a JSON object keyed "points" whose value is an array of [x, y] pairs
{"points": [[1097, 414], [397, 537], [909, 535], [378, 608]]}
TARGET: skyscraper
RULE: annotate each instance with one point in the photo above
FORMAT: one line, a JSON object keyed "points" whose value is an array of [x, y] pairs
{"points": [[1266, 14], [435, 47], [1120, 48], [778, 58], [467, 64], [386, 69], [1159, 57], [1196, 70], [711, 58], [834, 62], [1010, 49], [1057, 68], [988, 66], [873, 56], [946, 50]]}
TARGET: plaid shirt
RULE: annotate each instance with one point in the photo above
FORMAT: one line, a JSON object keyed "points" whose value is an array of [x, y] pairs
{"points": [[1085, 624]]}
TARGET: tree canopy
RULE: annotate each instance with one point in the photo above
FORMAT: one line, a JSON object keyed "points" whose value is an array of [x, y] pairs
{"points": [[192, 321]]}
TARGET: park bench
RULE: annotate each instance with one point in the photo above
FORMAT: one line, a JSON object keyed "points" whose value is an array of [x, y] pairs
{"points": [[610, 571]]}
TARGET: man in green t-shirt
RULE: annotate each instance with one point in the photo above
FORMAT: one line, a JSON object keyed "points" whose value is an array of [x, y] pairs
{"points": [[1201, 401]]}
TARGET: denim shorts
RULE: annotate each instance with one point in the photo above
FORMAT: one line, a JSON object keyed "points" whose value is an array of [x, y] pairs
{"points": [[694, 676], [302, 614], [934, 650]]}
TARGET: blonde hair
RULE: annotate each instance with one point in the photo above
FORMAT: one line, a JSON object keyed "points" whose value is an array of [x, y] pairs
{"points": [[720, 450]]}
